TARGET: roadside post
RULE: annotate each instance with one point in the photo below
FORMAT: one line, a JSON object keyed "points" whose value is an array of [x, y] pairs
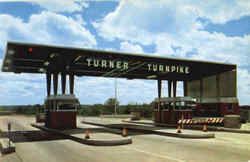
{"points": [[182, 117], [9, 129]]}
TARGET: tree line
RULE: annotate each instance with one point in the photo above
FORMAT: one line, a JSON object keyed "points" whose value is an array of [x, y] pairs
{"points": [[107, 108]]}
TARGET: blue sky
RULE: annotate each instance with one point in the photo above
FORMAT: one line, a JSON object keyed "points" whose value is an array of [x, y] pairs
{"points": [[202, 30]]}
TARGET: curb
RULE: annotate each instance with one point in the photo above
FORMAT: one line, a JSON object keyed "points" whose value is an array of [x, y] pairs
{"points": [[94, 142], [195, 127], [180, 135]]}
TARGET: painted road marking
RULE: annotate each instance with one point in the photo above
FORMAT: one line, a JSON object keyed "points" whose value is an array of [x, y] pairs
{"points": [[156, 155]]}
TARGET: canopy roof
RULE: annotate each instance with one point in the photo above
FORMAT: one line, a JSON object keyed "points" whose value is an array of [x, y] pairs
{"points": [[36, 58]]}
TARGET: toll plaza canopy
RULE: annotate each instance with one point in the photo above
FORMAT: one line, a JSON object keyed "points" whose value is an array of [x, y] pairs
{"points": [[34, 58]]}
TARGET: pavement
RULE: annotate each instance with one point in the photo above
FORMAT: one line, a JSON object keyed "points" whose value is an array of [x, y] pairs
{"points": [[172, 132], [226, 147]]}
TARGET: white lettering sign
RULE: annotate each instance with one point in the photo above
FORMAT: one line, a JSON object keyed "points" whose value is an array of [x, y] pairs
{"points": [[123, 65]]}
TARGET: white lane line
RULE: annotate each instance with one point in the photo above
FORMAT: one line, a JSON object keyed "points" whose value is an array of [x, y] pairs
{"points": [[156, 155]]}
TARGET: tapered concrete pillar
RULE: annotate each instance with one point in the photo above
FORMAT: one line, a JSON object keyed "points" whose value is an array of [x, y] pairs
{"points": [[159, 96], [55, 83], [169, 88], [185, 88], [174, 87], [63, 82], [48, 79], [159, 88], [71, 83]]}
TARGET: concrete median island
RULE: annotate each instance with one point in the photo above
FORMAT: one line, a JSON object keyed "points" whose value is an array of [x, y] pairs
{"points": [[191, 127], [154, 130], [94, 142]]}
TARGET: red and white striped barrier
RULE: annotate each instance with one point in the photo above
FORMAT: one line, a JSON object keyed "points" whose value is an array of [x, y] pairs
{"points": [[201, 121]]}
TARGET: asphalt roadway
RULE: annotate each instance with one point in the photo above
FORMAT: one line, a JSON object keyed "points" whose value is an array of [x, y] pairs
{"points": [[226, 147]]}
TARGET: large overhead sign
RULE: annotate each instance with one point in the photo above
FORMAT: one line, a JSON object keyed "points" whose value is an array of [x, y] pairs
{"points": [[34, 58]]}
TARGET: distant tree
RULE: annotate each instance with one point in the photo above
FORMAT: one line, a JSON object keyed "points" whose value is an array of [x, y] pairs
{"points": [[111, 101], [132, 103]]}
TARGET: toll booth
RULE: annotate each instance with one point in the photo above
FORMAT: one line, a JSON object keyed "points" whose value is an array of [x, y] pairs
{"points": [[171, 109], [61, 111]]}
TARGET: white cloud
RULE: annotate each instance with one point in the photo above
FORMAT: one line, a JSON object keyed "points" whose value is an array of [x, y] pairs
{"points": [[128, 47], [46, 28], [221, 11], [62, 5], [137, 20], [169, 24]]}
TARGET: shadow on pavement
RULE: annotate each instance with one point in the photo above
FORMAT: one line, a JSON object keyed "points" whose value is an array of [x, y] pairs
{"points": [[30, 136]]}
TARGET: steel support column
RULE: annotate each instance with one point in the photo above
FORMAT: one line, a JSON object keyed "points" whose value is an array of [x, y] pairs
{"points": [[48, 79], [63, 82], [71, 83], [55, 82]]}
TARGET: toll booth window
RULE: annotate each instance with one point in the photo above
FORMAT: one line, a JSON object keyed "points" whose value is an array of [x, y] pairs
{"points": [[165, 105], [66, 106], [177, 105], [162, 104], [230, 107], [190, 106]]}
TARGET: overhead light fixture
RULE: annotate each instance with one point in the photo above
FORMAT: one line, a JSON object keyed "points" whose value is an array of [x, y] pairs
{"points": [[151, 76], [11, 52], [42, 70], [7, 61], [46, 63], [30, 49], [52, 55]]}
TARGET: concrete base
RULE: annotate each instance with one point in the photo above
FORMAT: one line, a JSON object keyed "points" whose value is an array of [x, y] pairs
{"points": [[5, 148], [40, 118], [232, 121]]}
